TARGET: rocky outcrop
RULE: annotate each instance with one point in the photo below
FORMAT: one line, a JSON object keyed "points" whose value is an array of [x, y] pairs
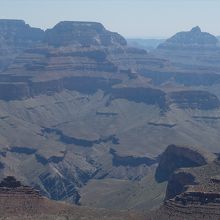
{"points": [[82, 33], [176, 165], [175, 157], [192, 193]]}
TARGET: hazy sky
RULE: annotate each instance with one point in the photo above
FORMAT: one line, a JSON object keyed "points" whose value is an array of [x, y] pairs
{"points": [[131, 18]]}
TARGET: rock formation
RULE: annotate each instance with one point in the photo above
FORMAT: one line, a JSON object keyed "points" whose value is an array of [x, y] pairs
{"points": [[194, 50], [175, 157], [193, 192], [190, 40], [84, 34]]}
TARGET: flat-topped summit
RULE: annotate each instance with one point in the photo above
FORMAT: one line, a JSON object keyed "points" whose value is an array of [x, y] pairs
{"points": [[80, 24], [82, 34], [193, 38]]}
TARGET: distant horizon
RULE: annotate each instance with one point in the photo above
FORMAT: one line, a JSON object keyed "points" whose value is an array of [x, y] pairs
{"points": [[131, 18]]}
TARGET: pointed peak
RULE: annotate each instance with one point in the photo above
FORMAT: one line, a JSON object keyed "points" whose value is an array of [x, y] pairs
{"points": [[196, 29]]}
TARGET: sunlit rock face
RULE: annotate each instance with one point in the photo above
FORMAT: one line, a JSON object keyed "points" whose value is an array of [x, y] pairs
{"points": [[82, 33]]}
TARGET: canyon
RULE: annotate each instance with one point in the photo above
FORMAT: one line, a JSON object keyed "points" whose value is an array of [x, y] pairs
{"points": [[80, 110]]}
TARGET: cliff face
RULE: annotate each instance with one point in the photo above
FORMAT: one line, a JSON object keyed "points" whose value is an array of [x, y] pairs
{"points": [[175, 157], [178, 183], [196, 196], [195, 100], [192, 192]]}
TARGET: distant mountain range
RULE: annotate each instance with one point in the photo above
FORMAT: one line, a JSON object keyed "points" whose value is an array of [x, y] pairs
{"points": [[147, 44]]}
